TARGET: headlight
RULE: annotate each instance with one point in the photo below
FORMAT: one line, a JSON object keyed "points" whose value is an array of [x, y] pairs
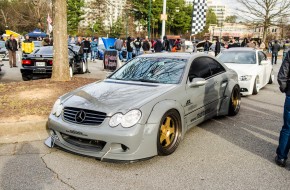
{"points": [[57, 108], [115, 120], [245, 78], [127, 120]]}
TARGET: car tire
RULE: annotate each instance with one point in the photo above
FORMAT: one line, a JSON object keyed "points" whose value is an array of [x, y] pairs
{"points": [[82, 68], [169, 133], [255, 89], [271, 79], [235, 101], [27, 77]]}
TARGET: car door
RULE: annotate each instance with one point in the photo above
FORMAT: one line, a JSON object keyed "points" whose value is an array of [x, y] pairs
{"points": [[263, 69], [199, 100], [218, 74]]}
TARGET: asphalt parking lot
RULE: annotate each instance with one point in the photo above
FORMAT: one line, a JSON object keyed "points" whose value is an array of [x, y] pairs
{"points": [[222, 153]]}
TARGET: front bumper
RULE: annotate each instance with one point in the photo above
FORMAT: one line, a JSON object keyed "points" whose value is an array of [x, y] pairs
{"points": [[104, 142], [246, 87]]}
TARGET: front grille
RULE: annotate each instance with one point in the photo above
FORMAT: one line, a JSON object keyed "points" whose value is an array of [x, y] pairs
{"points": [[83, 116], [87, 144]]}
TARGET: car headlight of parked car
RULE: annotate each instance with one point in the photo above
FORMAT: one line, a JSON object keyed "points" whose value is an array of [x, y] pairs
{"points": [[127, 120], [57, 108], [245, 77]]}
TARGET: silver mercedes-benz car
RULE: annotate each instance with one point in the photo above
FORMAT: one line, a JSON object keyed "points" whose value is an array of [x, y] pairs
{"points": [[145, 107]]}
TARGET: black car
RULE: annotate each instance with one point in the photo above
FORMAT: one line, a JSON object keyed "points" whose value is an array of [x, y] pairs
{"points": [[39, 63]]}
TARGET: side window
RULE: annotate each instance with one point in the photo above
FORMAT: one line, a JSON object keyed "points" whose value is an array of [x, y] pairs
{"points": [[261, 56], [199, 69], [215, 66]]}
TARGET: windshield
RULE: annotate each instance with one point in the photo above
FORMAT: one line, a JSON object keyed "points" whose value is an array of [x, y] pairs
{"points": [[46, 50], [238, 57], [37, 43], [154, 70]]}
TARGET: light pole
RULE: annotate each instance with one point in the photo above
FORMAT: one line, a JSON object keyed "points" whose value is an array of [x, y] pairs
{"points": [[163, 17]]}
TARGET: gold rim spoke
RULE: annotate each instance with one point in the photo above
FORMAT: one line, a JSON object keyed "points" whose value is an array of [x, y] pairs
{"points": [[167, 132]]}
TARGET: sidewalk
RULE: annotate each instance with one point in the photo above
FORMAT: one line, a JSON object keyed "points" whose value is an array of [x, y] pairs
{"points": [[13, 132]]}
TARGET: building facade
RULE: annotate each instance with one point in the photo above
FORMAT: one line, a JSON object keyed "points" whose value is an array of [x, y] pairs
{"points": [[109, 11]]}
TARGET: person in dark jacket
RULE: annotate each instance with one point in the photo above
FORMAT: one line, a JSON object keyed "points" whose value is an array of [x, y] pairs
{"points": [[275, 49], [11, 45], [206, 46], [284, 139], [165, 44], [87, 49], [146, 45], [129, 48], [158, 46], [245, 42], [217, 48]]}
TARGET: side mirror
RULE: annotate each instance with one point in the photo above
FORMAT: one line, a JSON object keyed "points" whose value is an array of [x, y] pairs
{"points": [[196, 82], [264, 62]]}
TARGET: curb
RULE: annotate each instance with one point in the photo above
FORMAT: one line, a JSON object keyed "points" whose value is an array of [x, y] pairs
{"points": [[23, 131]]}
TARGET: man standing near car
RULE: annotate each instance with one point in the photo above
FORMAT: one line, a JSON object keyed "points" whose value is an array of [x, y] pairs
{"points": [[11, 46], [284, 139], [275, 50]]}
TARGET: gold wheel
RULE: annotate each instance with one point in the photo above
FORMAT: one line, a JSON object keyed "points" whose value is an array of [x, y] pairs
{"points": [[235, 101], [167, 132]]}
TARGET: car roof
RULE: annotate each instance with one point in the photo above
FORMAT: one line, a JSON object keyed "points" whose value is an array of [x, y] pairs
{"points": [[241, 49]]}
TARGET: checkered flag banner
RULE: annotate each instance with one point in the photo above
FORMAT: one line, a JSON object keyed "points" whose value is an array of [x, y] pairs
{"points": [[198, 16]]}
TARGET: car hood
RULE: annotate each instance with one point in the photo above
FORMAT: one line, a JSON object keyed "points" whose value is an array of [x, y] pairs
{"points": [[111, 96], [242, 69]]}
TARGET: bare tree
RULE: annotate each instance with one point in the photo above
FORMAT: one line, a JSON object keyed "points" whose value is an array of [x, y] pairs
{"points": [[264, 12], [60, 49]]}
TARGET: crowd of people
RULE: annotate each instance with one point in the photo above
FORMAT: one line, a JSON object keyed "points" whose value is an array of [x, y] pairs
{"points": [[273, 46]]}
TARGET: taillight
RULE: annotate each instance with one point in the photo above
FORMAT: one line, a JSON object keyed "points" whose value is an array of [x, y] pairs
{"points": [[26, 62], [50, 62]]}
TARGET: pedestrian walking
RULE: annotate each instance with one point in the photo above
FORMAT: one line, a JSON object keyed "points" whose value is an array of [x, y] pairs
{"points": [[137, 43], [87, 49], [129, 48], [27, 45], [94, 46], [118, 45], [11, 45], [206, 46], [284, 139], [275, 50], [217, 48], [286, 48]]}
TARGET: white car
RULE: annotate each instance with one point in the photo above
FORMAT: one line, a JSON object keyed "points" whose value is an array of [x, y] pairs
{"points": [[252, 65]]}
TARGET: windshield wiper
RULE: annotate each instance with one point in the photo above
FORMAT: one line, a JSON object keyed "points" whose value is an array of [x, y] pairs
{"points": [[145, 80]]}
